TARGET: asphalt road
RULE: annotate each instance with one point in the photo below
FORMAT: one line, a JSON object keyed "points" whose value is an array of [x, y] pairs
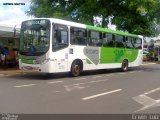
{"points": [[94, 92]]}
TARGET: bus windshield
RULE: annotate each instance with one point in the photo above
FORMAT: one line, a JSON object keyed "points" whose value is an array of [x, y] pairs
{"points": [[35, 37]]}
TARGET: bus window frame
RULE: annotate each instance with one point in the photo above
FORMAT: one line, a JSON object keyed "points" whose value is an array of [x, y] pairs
{"points": [[24, 52], [121, 41], [99, 42], [113, 40], [140, 46], [85, 37], [131, 42], [53, 37]]}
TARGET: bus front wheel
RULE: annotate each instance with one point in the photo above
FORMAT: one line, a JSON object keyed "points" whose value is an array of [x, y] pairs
{"points": [[75, 69], [124, 67]]}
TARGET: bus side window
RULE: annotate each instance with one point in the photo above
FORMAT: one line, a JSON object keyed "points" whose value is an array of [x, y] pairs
{"points": [[60, 37], [119, 41], [78, 36], [108, 40], [138, 43], [95, 38], [129, 42], [100, 41]]}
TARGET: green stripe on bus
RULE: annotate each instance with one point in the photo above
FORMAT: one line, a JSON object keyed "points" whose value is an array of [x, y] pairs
{"points": [[117, 55], [24, 60]]}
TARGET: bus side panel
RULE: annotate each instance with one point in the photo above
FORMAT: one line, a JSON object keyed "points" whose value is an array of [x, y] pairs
{"points": [[107, 55], [131, 54], [59, 60], [138, 61], [92, 54], [117, 55], [77, 53]]}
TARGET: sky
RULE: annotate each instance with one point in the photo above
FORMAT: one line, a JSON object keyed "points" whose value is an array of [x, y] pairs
{"points": [[12, 15]]}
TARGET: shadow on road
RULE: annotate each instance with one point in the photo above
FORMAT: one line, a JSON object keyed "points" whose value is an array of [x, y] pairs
{"points": [[45, 76]]}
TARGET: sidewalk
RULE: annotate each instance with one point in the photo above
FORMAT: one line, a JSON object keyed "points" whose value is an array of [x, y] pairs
{"points": [[148, 62], [12, 71]]}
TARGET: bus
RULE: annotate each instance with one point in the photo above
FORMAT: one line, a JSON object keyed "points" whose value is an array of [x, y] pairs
{"points": [[50, 45]]}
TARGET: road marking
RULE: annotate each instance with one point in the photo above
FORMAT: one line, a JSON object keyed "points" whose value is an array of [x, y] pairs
{"points": [[133, 72], [54, 82], [79, 86], [25, 85], [110, 75], [146, 101], [141, 71], [121, 73], [80, 79], [57, 91], [101, 94], [152, 91], [96, 76], [95, 81], [73, 87]]}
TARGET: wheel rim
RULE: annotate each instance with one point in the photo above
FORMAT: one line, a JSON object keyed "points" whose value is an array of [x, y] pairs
{"points": [[76, 70], [125, 66]]}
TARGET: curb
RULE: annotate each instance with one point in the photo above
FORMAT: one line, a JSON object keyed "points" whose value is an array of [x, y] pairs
{"points": [[148, 63], [13, 72]]}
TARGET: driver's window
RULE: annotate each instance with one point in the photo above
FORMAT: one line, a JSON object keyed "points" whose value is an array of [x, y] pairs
{"points": [[60, 37]]}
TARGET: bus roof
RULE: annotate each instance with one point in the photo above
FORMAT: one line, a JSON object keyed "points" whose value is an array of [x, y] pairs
{"points": [[69, 23]]}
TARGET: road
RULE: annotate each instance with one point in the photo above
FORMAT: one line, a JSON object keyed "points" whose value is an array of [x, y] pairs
{"points": [[94, 92]]}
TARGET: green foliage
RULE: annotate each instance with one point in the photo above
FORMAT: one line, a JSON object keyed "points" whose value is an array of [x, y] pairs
{"points": [[135, 16], [48, 8]]}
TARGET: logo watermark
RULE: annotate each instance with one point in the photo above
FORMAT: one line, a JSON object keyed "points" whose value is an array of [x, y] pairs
{"points": [[13, 3], [9, 117]]}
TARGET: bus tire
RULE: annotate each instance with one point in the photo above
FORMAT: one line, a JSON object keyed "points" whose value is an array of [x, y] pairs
{"points": [[76, 69], [124, 67]]}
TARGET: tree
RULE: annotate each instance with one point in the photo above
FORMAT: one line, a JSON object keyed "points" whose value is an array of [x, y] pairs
{"points": [[49, 8], [83, 10], [138, 16]]}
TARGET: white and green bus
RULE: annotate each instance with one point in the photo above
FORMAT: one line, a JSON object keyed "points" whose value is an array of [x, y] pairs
{"points": [[51, 45]]}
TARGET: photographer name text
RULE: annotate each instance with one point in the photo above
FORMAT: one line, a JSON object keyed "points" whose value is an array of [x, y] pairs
{"points": [[13, 3]]}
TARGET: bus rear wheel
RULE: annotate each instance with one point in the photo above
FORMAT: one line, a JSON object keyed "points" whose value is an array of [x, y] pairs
{"points": [[124, 67]]}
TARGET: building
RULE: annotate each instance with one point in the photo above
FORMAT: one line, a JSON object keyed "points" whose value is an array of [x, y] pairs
{"points": [[8, 35], [9, 40]]}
